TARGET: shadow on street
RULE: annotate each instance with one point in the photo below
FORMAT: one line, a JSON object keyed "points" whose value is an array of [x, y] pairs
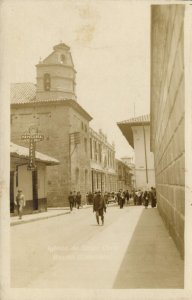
{"points": [[151, 259]]}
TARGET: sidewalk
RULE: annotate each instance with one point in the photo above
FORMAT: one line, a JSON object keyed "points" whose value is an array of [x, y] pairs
{"points": [[151, 259], [50, 213]]}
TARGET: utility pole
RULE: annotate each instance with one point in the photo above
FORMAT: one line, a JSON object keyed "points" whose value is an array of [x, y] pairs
{"points": [[74, 138], [146, 165]]}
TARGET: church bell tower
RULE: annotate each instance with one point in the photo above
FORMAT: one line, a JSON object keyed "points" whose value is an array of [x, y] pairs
{"points": [[56, 75]]}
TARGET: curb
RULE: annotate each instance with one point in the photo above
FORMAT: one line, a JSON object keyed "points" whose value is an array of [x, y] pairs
{"points": [[43, 218], [46, 217], [38, 219]]}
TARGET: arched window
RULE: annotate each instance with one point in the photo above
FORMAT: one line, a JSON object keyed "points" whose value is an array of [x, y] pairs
{"points": [[62, 58], [47, 82]]}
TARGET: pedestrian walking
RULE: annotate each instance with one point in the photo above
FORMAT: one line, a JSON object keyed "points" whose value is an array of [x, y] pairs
{"points": [[113, 197], [74, 198], [121, 199], [20, 203], [134, 197], [71, 201], [127, 196], [118, 197], [146, 197], [153, 197], [99, 206], [78, 200], [106, 198], [139, 197], [90, 198]]}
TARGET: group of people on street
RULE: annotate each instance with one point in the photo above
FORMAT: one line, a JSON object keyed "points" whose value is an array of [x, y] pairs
{"points": [[100, 201], [97, 200], [74, 200], [145, 197], [122, 198], [109, 196]]}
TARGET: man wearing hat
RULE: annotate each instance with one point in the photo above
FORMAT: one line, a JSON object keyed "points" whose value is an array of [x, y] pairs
{"points": [[99, 206], [20, 203]]}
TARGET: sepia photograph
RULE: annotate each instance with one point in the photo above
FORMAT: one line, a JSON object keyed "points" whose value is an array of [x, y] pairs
{"points": [[96, 149]]}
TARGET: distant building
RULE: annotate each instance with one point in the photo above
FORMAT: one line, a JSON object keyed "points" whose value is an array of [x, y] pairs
{"points": [[50, 105], [102, 156], [124, 175], [168, 114], [131, 164], [33, 183], [137, 132], [128, 160]]}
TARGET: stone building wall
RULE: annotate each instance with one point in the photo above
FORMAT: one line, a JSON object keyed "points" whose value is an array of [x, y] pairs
{"points": [[168, 115], [56, 121]]}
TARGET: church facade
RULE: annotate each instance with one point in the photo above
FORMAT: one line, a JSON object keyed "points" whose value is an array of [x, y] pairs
{"points": [[51, 107]]}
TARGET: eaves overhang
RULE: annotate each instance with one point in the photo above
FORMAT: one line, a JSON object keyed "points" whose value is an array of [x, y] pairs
{"points": [[126, 130], [126, 127]]}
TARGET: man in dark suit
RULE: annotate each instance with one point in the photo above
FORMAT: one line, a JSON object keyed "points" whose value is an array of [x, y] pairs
{"points": [[99, 206], [71, 201]]}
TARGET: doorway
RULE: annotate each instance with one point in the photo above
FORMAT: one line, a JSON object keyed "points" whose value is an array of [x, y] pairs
{"points": [[12, 192], [35, 189]]}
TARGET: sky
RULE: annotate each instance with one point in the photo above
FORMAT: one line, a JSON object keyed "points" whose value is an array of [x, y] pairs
{"points": [[110, 47]]}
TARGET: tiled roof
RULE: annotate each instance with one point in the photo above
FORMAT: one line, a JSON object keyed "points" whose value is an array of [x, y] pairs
{"points": [[23, 152], [70, 102], [23, 92], [140, 119]]}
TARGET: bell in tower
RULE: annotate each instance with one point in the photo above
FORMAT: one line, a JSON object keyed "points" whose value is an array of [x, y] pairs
{"points": [[56, 75]]}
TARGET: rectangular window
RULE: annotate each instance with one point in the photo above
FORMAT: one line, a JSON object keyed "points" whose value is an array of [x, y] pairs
{"points": [[95, 150], [85, 144], [91, 149], [99, 146]]}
